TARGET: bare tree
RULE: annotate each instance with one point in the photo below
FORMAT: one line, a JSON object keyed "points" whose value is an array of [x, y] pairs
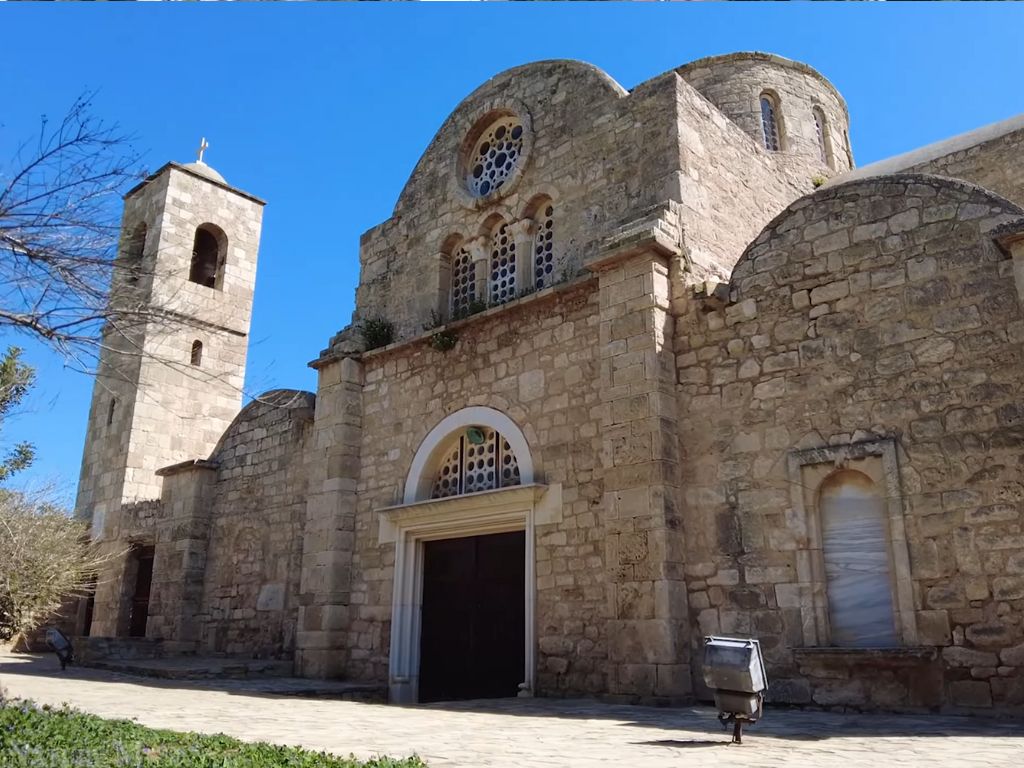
{"points": [[66, 277], [60, 200], [45, 557]]}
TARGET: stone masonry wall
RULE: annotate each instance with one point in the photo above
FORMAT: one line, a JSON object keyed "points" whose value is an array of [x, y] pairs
{"points": [[994, 164], [536, 362], [604, 157], [154, 408], [250, 589], [598, 152], [735, 82], [873, 310], [167, 410], [730, 186]]}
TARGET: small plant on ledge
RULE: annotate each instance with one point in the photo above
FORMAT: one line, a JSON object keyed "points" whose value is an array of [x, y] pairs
{"points": [[817, 181], [474, 307], [443, 341], [377, 332]]}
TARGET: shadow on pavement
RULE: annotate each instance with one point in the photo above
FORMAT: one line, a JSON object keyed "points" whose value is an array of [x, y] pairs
{"points": [[778, 722]]}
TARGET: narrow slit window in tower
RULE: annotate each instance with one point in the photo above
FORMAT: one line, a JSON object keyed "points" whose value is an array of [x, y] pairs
{"points": [[770, 124], [110, 411], [197, 353], [821, 132]]}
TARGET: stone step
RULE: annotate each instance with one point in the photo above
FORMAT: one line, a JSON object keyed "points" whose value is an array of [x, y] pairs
{"points": [[262, 676], [195, 667]]}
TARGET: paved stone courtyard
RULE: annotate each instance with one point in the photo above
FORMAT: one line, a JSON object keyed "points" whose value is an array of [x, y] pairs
{"points": [[520, 733]]}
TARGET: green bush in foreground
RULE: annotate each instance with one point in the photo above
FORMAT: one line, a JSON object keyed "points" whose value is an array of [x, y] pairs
{"points": [[44, 737]]}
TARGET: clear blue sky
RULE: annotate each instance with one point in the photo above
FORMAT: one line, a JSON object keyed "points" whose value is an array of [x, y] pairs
{"points": [[324, 109]]}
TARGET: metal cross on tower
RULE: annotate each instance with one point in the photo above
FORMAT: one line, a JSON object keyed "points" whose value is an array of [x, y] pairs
{"points": [[203, 146]]}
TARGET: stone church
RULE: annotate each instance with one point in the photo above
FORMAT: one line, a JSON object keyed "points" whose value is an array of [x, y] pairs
{"points": [[627, 368]]}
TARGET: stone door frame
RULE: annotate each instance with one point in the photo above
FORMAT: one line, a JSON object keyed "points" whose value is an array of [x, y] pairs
{"points": [[408, 526]]}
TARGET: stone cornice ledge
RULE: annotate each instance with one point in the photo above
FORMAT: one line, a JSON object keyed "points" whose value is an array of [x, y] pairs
{"points": [[186, 466], [902, 656], [624, 245], [329, 356], [481, 510], [520, 496]]}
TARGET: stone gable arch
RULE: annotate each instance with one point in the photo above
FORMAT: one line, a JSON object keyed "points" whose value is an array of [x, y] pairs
{"points": [[842, 217], [492, 99]]}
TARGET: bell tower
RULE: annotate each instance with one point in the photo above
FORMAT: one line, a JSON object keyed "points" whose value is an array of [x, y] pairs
{"points": [[173, 364]]}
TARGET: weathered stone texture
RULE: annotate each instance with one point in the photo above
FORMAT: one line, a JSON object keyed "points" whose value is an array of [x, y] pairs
{"points": [[993, 164], [253, 564], [699, 362], [885, 347], [150, 406], [603, 155], [553, 338], [735, 82]]}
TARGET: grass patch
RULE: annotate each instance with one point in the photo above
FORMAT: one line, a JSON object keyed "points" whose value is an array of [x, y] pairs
{"points": [[46, 737]]}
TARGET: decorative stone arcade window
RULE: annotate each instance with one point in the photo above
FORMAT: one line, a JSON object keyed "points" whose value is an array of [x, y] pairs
{"points": [[463, 293], [543, 246], [848, 521], [503, 265], [478, 459]]}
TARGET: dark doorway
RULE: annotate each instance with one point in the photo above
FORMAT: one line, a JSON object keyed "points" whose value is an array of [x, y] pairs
{"points": [[140, 597], [472, 639], [89, 607]]}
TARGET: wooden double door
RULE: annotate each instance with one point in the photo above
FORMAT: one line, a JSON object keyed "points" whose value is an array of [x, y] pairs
{"points": [[473, 621]]}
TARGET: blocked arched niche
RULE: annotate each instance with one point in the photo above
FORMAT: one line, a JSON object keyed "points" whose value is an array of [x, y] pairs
{"points": [[420, 479]]}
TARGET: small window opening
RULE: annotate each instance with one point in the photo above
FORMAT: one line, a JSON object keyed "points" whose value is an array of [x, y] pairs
{"points": [[770, 124], [110, 411], [197, 353], [133, 255], [821, 133], [206, 258]]}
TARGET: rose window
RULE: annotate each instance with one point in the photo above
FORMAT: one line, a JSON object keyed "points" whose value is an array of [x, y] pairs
{"points": [[495, 156], [479, 459]]}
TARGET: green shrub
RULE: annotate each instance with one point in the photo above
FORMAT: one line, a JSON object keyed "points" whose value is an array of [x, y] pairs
{"points": [[444, 341], [43, 737], [377, 332]]}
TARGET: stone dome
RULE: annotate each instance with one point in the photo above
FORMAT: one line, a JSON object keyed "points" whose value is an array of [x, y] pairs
{"points": [[204, 170]]}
